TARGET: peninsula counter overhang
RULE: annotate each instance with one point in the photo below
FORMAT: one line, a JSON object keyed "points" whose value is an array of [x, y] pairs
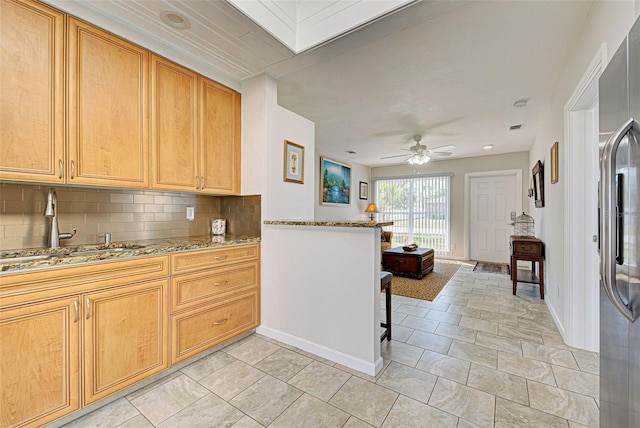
{"points": [[328, 223]]}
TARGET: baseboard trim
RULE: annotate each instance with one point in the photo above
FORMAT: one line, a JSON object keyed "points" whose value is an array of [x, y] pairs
{"points": [[370, 368]]}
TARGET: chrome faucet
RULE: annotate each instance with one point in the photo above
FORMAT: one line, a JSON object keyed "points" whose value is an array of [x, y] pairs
{"points": [[52, 212]]}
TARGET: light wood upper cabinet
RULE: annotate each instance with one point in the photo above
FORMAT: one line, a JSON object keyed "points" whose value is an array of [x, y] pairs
{"points": [[125, 337], [79, 105], [39, 362], [108, 116], [31, 92], [174, 130], [195, 131], [219, 138]]}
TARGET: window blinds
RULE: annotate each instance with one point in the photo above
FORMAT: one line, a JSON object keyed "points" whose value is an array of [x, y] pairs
{"points": [[419, 208]]}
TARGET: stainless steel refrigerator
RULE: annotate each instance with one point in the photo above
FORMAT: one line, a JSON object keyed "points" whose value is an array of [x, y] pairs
{"points": [[619, 236]]}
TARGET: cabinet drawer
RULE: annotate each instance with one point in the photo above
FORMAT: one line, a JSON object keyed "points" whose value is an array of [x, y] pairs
{"points": [[197, 330], [195, 260], [402, 263], [199, 288], [527, 248]]}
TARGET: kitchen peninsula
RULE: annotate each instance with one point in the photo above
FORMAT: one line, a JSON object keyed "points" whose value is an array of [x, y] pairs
{"points": [[320, 289]]}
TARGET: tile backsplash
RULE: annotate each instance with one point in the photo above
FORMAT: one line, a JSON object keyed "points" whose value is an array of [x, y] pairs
{"points": [[126, 214]]}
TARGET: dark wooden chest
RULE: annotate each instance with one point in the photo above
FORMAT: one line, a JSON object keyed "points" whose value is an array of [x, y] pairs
{"points": [[415, 264]]}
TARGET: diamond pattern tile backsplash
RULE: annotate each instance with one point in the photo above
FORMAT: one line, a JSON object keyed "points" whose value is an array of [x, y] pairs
{"points": [[126, 214]]}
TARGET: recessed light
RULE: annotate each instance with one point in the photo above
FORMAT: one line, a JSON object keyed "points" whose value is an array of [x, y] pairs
{"points": [[521, 103], [351, 152], [488, 146], [175, 19], [515, 127]]}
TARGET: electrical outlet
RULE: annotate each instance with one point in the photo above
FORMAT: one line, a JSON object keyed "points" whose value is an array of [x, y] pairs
{"points": [[191, 213]]}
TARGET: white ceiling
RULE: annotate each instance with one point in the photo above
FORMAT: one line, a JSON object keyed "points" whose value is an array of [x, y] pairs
{"points": [[301, 24], [449, 70]]}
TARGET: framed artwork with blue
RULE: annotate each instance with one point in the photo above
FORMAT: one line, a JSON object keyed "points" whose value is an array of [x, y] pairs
{"points": [[335, 183]]}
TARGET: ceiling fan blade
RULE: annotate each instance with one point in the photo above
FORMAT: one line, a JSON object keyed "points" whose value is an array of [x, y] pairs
{"points": [[396, 156], [440, 154], [443, 148]]}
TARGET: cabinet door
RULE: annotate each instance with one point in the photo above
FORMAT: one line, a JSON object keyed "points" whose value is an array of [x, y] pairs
{"points": [[174, 137], [125, 337], [219, 138], [39, 362], [32, 94], [108, 116]]}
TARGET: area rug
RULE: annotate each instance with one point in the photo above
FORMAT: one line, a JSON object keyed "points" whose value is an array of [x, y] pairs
{"points": [[430, 285], [489, 267]]}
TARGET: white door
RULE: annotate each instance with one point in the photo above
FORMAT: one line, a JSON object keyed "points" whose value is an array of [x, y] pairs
{"points": [[492, 199]]}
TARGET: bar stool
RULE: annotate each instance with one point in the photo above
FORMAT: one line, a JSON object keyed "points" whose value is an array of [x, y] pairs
{"points": [[385, 285]]}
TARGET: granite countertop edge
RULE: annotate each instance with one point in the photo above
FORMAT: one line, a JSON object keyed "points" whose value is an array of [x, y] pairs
{"points": [[328, 223], [63, 256]]}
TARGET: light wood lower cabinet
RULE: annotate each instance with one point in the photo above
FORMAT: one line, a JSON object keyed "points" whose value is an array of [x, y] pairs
{"points": [[215, 296], [125, 337], [64, 345], [73, 335], [39, 362], [200, 329]]}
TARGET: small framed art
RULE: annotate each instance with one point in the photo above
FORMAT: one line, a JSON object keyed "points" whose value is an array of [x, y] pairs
{"points": [[364, 190], [293, 162], [554, 163]]}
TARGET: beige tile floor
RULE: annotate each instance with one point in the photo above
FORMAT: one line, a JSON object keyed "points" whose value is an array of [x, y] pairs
{"points": [[476, 356]]}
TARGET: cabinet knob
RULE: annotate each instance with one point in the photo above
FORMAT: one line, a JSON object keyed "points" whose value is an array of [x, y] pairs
{"points": [[221, 321]]}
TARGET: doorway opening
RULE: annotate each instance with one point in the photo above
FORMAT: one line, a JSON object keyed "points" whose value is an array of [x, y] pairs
{"points": [[581, 280]]}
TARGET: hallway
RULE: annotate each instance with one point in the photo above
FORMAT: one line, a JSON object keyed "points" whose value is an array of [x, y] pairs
{"points": [[477, 356]]}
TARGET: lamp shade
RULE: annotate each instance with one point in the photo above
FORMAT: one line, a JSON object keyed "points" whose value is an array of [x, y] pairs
{"points": [[372, 208]]}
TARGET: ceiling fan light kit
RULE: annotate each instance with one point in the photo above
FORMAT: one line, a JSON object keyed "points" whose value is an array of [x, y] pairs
{"points": [[421, 154], [418, 159]]}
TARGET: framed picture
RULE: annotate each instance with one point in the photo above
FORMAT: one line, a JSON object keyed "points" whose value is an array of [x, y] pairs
{"points": [[335, 183], [364, 190], [554, 163], [538, 184], [293, 162]]}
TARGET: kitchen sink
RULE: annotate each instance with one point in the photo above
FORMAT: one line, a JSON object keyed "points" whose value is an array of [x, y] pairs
{"points": [[26, 259], [104, 250]]}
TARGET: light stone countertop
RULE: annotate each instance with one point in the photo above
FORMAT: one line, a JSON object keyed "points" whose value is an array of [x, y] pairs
{"points": [[95, 253]]}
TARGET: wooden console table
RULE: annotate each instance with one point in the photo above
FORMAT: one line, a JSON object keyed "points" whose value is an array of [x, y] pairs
{"points": [[529, 249]]}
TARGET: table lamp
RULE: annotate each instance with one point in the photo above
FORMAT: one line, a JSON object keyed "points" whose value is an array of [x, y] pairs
{"points": [[371, 209]]}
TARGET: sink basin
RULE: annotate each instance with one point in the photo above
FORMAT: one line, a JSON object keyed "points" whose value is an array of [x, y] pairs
{"points": [[26, 259], [105, 250]]}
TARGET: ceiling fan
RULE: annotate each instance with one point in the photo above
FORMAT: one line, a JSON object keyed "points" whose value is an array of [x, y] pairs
{"points": [[420, 154]]}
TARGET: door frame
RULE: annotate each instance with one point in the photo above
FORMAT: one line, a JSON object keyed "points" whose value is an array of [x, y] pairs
{"points": [[516, 173], [581, 304]]}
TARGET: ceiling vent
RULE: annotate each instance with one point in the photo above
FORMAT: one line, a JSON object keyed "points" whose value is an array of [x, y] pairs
{"points": [[515, 127]]}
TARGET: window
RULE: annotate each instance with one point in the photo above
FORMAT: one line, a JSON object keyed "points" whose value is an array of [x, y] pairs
{"points": [[419, 208]]}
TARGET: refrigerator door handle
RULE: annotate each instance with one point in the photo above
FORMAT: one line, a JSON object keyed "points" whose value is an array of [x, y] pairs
{"points": [[608, 219]]}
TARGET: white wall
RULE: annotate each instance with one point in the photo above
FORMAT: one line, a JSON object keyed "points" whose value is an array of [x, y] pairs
{"points": [[355, 211], [265, 126], [458, 167], [607, 22], [321, 292]]}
